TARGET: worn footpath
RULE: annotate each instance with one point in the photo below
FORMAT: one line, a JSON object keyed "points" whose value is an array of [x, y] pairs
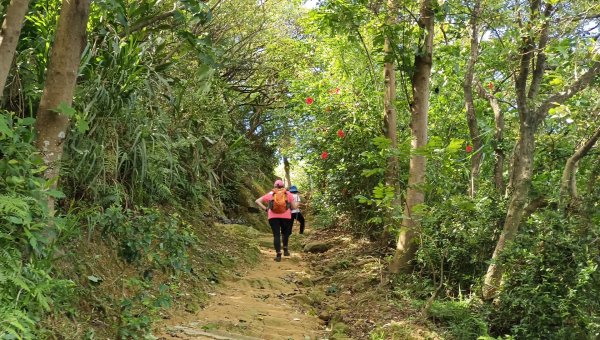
{"points": [[262, 303]]}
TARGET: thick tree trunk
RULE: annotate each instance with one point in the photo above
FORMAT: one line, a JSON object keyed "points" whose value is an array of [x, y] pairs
{"points": [[52, 126], [406, 247], [9, 37], [568, 183], [522, 160], [390, 124], [286, 167], [522, 172], [469, 102]]}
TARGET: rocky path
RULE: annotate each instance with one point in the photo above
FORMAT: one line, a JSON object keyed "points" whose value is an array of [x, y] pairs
{"points": [[262, 304]]}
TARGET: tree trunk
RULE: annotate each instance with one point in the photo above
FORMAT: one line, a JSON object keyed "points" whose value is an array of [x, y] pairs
{"points": [[568, 183], [529, 119], [522, 172], [9, 37], [390, 124], [498, 138], [406, 247], [469, 102], [522, 160], [52, 126], [498, 147], [286, 167]]}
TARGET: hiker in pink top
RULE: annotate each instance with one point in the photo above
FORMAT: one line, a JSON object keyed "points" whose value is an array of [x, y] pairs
{"points": [[279, 208]]}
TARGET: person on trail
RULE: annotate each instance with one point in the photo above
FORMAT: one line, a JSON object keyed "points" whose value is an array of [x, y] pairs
{"points": [[296, 214], [280, 203]]}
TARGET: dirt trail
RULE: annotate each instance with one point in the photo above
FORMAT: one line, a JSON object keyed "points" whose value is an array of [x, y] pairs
{"points": [[260, 305]]}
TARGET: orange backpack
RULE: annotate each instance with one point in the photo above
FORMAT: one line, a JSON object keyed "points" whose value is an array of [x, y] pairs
{"points": [[279, 203]]}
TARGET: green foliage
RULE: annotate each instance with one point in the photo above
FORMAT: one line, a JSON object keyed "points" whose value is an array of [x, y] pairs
{"points": [[159, 118], [182, 103], [391, 331], [145, 237], [15, 324], [139, 312], [458, 236], [28, 288], [156, 132], [551, 286], [463, 321]]}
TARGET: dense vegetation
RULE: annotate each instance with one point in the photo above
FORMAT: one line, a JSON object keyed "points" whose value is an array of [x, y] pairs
{"points": [[460, 133]]}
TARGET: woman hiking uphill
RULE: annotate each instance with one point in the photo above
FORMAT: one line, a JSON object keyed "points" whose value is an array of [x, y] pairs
{"points": [[280, 203]]}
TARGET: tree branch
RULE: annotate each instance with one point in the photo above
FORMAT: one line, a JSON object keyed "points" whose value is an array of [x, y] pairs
{"points": [[521, 79], [569, 92], [468, 93], [498, 136], [540, 65], [568, 186], [150, 21]]}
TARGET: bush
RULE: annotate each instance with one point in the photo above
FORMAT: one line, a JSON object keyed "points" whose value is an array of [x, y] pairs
{"points": [[461, 318], [28, 234], [458, 237], [552, 283], [145, 236]]}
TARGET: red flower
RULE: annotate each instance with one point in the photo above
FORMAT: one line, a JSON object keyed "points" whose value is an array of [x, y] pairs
{"points": [[491, 86], [337, 90], [468, 148], [309, 100], [341, 133], [324, 155]]}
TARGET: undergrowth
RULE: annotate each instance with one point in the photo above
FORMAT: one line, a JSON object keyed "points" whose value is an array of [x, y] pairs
{"points": [[100, 269]]}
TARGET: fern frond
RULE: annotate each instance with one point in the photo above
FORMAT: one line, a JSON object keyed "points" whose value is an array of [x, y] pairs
{"points": [[11, 205]]}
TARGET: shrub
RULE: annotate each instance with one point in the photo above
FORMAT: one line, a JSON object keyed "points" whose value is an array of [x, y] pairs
{"points": [[552, 283], [145, 236], [458, 237], [28, 234]]}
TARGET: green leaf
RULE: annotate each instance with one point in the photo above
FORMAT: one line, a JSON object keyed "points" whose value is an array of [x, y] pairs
{"points": [[455, 145], [382, 142], [435, 142], [19, 282], [5, 129], [27, 121], [556, 81], [94, 279], [371, 172], [43, 301], [65, 109], [14, 220], [82, 125], [33, 242], [17, 325], [361, 198], [55, 193]]}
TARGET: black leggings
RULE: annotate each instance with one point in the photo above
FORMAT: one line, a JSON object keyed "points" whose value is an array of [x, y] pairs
{"points": [[280, 226], [298, 216]]}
